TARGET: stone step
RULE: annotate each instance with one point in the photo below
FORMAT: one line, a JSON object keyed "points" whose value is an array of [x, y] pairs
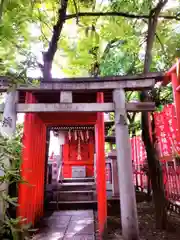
{"points": [[70, 186], [80, 195], [74, 202], [73, 205], [87, 179], [77, 191], [78, 186]]}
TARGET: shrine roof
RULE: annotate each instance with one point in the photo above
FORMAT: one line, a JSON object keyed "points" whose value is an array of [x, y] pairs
{"points": [[85, 89], [155, 75], [108, 125]]}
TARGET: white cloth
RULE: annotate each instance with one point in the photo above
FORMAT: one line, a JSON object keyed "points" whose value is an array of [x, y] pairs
{"points": [[8, 124]]}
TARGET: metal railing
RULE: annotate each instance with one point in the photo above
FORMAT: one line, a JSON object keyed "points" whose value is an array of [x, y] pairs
{"points": [[60, 176]]}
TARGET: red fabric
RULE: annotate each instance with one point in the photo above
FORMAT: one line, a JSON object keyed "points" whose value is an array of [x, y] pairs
{"points": [[168, 140], [167, 133]]}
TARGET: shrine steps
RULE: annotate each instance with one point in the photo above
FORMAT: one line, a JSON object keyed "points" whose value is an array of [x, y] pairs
{"points": [[73, 186], [72, 205], [77, 193], [71, 180]]}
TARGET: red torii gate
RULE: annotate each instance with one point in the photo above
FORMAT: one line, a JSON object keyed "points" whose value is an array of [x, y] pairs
{"points": [[106, 94], [31, 195]]}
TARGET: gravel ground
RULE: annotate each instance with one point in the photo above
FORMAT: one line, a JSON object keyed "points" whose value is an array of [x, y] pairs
{"points": [[147, 226]]}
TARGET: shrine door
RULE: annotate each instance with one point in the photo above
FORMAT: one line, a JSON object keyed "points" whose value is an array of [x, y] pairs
{"points": [[78, 153]]}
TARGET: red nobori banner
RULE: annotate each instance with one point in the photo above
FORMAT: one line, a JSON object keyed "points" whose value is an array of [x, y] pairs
{"points": [[138, 151], [171, 119], [168, 137]]}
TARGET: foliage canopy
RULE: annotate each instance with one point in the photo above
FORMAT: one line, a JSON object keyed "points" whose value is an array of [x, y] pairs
{"points": [[26, 29]]}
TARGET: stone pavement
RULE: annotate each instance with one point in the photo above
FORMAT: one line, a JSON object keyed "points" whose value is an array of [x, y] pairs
{"points": [[66, 225]]}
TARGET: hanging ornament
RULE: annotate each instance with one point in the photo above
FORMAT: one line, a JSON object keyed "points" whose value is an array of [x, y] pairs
{"points": [[69, 135], [79, 149], [87, 134], [81, 135], [75, 135]]}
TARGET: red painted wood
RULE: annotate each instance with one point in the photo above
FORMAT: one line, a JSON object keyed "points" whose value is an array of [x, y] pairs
{"points": [[68, 118], [101, 168], [173, 68], [70, 154], [89, 170], [23, 190], [175, 84], [66, 167], [31, 195], [71, 119]]}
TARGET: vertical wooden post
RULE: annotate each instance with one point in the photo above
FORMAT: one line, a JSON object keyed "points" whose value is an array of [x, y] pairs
{"points": [[125, 172], [31, 196], [115, 189], [24, 191], [100, 169], [176, 94]]}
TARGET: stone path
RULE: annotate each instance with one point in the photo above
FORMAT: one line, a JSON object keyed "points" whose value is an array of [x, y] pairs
{"points": [[66, 225]]}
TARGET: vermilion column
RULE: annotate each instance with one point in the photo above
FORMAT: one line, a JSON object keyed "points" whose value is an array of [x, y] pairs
{"points": [[23, 192], [176, 94], [100, 168], [31, 195]]}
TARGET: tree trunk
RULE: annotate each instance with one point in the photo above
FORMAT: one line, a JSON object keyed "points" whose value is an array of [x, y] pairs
{"points": [[49, 55], [155, 174], [47, 70], [154, 167]]}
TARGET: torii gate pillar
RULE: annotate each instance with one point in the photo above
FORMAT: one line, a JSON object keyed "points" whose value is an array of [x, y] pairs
{"points": [[129, 219], [100, 168]]}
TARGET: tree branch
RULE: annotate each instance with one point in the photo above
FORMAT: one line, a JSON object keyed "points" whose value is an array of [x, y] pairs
{"points": [[131, 117], [111, 45], [159, 40], [154, 167], [1, 9], [119, 14], [129, 96], [53, 44], [166, 100], [152, 24], [76, 10], [40, 19], [57, 31], [162, 46]]}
